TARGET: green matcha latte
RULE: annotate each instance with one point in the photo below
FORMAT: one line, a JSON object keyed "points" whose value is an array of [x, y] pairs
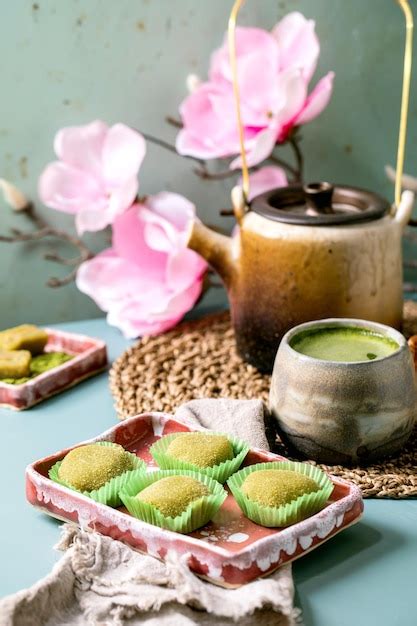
{"points": [[343, 343]]}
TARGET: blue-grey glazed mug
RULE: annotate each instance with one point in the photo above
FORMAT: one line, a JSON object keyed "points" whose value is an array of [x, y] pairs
{"points": [[344, 412]]}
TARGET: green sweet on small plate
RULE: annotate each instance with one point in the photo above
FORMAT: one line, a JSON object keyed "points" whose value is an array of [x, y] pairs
{"points": [[14, 364], [34, 366], [24, 337]]}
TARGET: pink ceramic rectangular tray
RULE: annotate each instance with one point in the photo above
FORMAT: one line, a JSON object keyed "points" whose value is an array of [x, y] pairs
{"points": [[90, 357], [230, 550]]}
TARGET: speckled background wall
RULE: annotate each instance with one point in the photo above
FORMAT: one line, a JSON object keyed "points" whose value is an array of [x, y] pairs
{"points": [[65, 62]]}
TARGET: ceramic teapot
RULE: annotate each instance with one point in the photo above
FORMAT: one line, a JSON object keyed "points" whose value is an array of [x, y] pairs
{"points": [[302, 253]]}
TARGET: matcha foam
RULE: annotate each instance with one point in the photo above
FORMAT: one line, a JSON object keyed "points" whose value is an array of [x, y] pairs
{"points": [[343, 343]]}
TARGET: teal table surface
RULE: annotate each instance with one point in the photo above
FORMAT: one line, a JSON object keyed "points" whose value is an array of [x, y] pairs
{"points": [[365, 576]]}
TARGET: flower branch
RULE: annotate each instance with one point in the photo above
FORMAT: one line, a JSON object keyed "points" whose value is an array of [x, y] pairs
{"points": [[147, 279], [298, 170], [43, 231], [172, 121]]}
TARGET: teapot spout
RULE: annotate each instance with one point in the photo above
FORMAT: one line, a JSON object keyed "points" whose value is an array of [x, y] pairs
{"points": [[215, 248]]}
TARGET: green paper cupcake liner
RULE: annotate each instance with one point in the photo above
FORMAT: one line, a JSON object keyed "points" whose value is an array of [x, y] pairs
{"points": [[197, 513], [301, 508], [109, 492], [220, 472]]}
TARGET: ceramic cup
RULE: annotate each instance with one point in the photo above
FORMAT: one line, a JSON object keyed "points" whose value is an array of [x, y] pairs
{"points": [[344, 412]]}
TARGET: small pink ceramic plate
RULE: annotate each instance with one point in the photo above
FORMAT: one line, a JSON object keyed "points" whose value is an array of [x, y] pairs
{"points": [[90, 357], [230, 550]]}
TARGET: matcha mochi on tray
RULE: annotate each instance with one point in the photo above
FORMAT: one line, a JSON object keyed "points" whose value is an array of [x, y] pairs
{"points": [[22, 354], [183, 512], [178, 500], [279, 494], [98, 470], [214, 454], [36, 363]]}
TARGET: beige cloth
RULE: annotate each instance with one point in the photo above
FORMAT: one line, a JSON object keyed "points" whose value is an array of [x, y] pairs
{"points": [[102, 582]]}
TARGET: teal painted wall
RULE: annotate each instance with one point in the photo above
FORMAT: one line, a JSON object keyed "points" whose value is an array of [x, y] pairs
{"points": [[65, 62]]}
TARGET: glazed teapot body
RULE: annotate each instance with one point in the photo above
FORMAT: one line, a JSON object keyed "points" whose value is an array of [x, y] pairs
{"points": [[280, 274]]}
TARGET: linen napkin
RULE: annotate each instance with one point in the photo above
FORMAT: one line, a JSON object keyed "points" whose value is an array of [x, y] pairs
{"points": [[102, 582]]}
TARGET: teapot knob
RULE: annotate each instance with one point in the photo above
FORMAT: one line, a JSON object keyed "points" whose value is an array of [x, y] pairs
{"points": [[318, 197]]}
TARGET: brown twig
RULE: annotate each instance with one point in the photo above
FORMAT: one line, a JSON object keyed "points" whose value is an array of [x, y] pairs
{"points": [[206, 175], [43, 231], [290, 169], [299, 169], [173, 121], [57, 258], [159, 142], [171, 148]]}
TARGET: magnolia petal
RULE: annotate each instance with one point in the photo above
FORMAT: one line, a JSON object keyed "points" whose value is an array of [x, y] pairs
{"points": [[81, 146], [256, 48], [129, 243], [298, 43], [295, 89], [187, 145], [123, 197], [108, 279], [248, 41], [123, 152], [260, 150], [92, 219], [265, 179], [94, 278], [317, 101], [159, 233], [156, 237], [68, 189], [206, 132], [173, 207], [184, 268], [134, 319]]}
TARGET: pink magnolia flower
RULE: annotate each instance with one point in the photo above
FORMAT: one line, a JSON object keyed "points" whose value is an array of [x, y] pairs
{"points": [[95, 178], [148, 279], [274, 71], [265, 179]]}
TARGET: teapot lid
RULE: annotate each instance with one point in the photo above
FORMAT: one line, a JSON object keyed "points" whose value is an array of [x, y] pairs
{"points": [[320, 204]]}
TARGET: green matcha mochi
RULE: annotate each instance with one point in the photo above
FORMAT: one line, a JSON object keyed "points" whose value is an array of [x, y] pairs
{"points": [[277, 487], [89, 467], [201, 449], [172, 495]]}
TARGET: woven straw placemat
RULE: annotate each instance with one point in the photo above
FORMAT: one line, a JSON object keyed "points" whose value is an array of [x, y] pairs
{"points": [[198, 360]]}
